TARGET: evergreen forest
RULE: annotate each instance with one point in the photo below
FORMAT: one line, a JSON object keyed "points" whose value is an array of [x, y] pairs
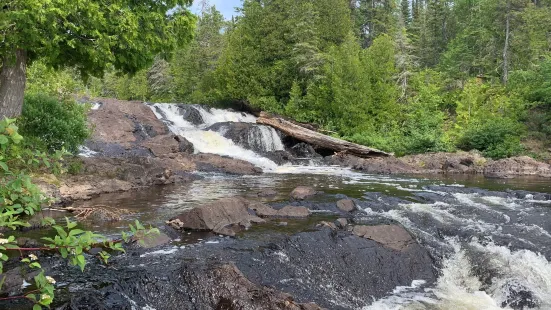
{"points": [[406, 77]]}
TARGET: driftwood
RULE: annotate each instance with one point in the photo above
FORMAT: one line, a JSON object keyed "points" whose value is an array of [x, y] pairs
{"points": [[106, 213], [319, 140]]}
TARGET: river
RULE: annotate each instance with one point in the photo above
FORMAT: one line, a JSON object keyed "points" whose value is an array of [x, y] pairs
{"points": [[490, 239]]}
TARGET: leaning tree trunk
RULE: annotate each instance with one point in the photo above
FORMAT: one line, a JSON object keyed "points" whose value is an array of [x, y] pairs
{"points": [[13, 77]]}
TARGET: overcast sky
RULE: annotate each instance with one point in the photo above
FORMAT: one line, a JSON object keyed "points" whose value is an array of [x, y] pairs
{"points": [[227, 7]]}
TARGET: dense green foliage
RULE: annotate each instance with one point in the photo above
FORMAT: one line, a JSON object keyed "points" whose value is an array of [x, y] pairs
{"points": [[89, 34], [52, 124], [406, 77], [20, 198]]}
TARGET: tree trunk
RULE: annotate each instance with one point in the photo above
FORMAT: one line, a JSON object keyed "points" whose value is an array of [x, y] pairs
{"points": [[506, 47], [13, 77], [318, 139]]}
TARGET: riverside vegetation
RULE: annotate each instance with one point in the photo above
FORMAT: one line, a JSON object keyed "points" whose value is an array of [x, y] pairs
{"points": [[406, 77]]}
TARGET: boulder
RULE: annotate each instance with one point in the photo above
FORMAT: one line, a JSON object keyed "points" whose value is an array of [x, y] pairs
{"points": [[124, 122], [225, 216], [392, 236], [303, 192], [346, 205], [191, 114]]}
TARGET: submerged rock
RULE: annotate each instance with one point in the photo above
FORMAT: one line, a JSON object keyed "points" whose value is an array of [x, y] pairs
{"points": [[303, 192]]}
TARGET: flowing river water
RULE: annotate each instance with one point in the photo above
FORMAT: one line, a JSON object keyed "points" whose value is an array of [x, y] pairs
{"points": [[491, 239]]}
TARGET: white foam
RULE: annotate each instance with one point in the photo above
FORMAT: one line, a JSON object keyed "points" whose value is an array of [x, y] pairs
{"points": [[160, 252], [212, 142], [86, 152]]}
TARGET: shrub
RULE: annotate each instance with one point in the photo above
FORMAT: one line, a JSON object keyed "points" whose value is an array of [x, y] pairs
{"points": [[51, 124], [495, 137]]}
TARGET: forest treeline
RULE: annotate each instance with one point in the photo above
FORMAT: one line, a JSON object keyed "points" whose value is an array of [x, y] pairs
{"points": [[406, 77]]}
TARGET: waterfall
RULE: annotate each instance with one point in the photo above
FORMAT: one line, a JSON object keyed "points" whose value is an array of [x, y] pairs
{"points": [[265, 138], [206, 141]]}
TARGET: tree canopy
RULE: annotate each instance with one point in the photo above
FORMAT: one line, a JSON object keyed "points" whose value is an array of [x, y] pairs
{"points": [[86, 34]]}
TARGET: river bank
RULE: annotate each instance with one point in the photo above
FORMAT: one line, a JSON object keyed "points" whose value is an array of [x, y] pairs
{"points": [[135, 145]]}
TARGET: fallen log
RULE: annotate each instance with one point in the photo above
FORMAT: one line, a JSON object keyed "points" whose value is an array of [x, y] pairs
{"points": [[317, 139]]}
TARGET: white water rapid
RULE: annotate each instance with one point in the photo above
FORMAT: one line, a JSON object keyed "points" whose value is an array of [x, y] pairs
{"points": [[208, 141], [492, 251]]}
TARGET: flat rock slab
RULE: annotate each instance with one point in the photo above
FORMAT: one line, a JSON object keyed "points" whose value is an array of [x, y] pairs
{"points": [[391, 236]]}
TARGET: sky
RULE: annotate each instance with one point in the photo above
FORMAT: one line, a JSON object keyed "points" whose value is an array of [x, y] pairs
{"points": [[226, 7]]}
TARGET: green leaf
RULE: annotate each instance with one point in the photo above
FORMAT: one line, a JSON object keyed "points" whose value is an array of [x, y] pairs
{"points": [[3, 139], [81, 262], [75, 232], [4, 166], [37, 307], [60, 231]]}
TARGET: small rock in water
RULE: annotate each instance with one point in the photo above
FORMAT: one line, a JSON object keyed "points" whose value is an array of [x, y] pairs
{"points": [[303, 192], [282, 224], [341, 223], [346, 205]]}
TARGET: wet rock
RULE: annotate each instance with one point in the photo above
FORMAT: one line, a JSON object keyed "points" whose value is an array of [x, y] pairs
{"points": [[341, 223], [267, 193], [226, 216], [14, 279], [258, 138], [303, 192], [149, 241], [346, 205], [304, 150], [184, 145], [276, 271], [191, 114], [391, 236]]}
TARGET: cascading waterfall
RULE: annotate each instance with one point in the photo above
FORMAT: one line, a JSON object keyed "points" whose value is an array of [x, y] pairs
{"points": [[265, 138], [206, 141]]}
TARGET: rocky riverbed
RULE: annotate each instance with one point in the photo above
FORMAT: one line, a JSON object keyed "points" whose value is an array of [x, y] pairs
{"points": [[131, 148], [264, 221]]}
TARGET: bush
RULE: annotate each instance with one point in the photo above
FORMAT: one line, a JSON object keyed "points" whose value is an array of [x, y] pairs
{"points": [[495, 137], [51, 124]]}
